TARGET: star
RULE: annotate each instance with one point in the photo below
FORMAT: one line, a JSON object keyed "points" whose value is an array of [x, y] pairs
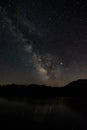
{"points": [[42, 40], [61, 63]]}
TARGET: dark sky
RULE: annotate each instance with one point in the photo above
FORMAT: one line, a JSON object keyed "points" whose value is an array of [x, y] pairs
{"points": [[43, 41]]}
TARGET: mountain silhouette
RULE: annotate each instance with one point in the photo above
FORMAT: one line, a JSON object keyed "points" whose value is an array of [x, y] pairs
{"points": [[77, 88], [74, 89], [78, 83]]}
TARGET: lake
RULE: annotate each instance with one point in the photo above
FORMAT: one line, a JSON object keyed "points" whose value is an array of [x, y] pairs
{"points": [[59, 114]]}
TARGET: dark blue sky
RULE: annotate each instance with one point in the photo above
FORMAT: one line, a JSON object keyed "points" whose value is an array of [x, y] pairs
{"points": [[43, 42]]}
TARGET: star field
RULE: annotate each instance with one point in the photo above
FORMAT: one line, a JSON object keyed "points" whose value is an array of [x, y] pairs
{"points": [[43, 42]]}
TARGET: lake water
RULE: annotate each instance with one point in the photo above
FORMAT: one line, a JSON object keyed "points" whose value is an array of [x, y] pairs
{"points": [[59, 114]]}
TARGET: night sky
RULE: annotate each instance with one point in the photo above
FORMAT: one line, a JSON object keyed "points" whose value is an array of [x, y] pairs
{"points": [[43, 41]]}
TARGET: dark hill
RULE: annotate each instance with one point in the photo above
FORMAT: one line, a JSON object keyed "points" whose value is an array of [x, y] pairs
{"points": [[77, 88], [74, 89], [78, 83]]}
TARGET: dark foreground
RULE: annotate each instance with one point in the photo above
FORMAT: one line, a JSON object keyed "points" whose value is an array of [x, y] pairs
{"points": [[44, 108], [57, 114]]}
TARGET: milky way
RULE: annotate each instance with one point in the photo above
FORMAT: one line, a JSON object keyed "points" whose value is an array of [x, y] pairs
{"points": [[42, 42]]}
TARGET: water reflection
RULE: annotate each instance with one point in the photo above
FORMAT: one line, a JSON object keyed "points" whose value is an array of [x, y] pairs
{"points": [[58, 114]]}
